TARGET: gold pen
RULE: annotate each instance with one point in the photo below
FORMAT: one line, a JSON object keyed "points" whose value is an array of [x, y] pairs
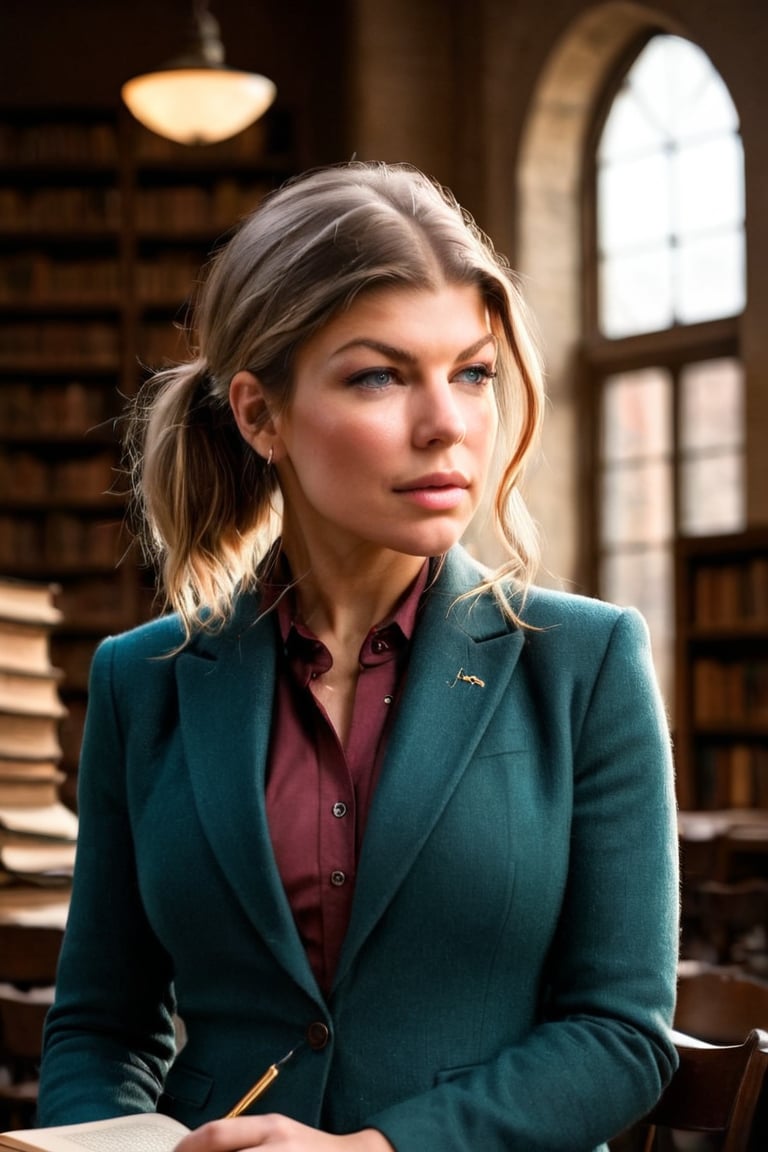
{"points": [[260, 1086]]}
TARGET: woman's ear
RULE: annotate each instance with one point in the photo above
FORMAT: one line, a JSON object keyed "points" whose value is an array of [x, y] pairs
{"points": [[252, 414]]}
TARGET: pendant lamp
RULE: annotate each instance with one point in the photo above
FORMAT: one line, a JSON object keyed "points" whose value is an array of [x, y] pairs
{"points": [[195, 98]]}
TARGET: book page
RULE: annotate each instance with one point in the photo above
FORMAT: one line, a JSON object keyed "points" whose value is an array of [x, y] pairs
{"points": [[23, 691], [29, 737], [145, 1132], [42, 857], [52, 822], [25, 647], [21, 600], [34, 907]]}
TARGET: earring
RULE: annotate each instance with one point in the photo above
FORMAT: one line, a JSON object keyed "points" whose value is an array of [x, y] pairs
{"points": [[269, 458]]}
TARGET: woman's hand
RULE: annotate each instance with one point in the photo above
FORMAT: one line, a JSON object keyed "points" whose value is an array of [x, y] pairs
{"points": [[243, 1133]]}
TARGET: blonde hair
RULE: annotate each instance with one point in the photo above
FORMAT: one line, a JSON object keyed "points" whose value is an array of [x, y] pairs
{"points": [[208, 506]]}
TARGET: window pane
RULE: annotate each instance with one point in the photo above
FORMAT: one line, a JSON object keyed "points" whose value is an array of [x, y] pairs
{"points": [[708, 185], [681, 90], [711, 405], [637, 415], [637, 503], [712, 494], [634, 206], [711, 277], [636, 293], [710, 110], [653, 78], [628, 131]]}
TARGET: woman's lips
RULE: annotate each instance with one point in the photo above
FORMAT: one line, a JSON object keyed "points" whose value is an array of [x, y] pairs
{"points": [[437, 492]]}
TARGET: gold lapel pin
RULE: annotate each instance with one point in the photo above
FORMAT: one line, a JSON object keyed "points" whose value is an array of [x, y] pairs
{"points": [[467, 679]]}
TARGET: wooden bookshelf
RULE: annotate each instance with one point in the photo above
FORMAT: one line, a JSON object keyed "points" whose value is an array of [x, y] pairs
{"points": [[722, 671], [103, 230]]}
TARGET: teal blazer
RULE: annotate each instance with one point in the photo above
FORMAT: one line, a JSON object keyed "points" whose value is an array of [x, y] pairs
{"points": [[508, 975]]}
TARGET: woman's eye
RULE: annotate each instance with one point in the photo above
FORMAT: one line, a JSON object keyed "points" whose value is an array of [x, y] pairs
{"points": [[373, 378], [476, 374]]}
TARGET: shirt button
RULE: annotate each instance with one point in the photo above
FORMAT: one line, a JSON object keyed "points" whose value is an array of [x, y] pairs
{"points": [[338, 878], [379, 646], [318, 1035], [339, 809], [387, 699]]}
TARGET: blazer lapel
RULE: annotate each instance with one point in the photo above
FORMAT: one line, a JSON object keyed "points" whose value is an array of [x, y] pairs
{"points": [[462, 660], [226, 688]]}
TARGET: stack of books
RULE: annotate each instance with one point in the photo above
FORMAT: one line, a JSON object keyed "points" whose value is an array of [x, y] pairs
{"points": [[37, 831]]}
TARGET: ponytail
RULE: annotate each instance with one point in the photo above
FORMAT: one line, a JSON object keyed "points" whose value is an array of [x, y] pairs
{"points": [[202, 498]]}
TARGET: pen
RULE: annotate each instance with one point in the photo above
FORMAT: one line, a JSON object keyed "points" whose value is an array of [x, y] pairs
{"points": [[261, 1085]]}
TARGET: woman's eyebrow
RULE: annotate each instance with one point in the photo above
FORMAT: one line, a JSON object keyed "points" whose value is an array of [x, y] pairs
{"points": [[393, 353], [478, 346], [387, 350]]}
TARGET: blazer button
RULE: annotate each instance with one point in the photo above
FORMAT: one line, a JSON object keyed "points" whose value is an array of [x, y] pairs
{"points": [[318, 1035]]}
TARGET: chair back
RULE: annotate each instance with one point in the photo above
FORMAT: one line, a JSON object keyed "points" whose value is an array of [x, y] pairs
{"points": [[717, 1091]]}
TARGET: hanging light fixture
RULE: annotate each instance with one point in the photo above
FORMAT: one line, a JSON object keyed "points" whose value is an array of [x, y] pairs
{"points": [[195, 98]]}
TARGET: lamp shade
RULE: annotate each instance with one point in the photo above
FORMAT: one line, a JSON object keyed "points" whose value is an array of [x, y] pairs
{"points": [[195, 99], [198, 105]]}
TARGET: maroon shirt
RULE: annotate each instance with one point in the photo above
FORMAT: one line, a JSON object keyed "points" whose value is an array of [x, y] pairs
{"points": [[318, 792]]}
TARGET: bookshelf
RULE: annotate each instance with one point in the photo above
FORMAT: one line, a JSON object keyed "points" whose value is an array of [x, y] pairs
{"points": [[722, 671], [103, 230]]}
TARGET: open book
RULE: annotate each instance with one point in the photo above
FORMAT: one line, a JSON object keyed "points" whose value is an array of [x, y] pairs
{"points": [[144, 1132]]}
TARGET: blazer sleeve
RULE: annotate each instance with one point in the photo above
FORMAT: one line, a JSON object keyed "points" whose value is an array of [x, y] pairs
{"points": [[602, 1053], [109, 1036]]}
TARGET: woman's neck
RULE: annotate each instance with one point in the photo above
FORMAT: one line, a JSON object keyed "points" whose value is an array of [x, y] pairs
{"points": [[340, 597]]}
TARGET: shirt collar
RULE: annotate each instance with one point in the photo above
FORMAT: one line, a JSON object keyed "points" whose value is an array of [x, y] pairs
{"points": [[398, 627]]}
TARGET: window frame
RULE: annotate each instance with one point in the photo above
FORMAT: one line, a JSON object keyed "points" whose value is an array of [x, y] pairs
{"points": [[602, 356]]}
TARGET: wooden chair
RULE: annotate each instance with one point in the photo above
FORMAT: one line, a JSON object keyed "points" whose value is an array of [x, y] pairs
{"points": [[28, 959], [718, 1092]]}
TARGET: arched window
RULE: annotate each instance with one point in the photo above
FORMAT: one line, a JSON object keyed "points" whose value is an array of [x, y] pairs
{"points": [[662, 343]]}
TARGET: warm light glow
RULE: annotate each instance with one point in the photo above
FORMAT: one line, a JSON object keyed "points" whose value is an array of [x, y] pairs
{"points": [[198, 105]]}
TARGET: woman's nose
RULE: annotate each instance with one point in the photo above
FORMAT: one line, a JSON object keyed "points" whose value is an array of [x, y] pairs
{"points": [[439, 418]]}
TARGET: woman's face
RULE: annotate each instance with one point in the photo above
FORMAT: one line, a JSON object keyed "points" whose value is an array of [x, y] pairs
{"points": [[389, 434]]}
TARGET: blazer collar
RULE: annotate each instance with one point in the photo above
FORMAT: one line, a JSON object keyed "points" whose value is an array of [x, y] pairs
{"points": [[463, 655]]}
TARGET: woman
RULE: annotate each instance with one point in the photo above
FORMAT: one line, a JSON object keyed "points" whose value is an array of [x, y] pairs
{"points": [[358, 799]]}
